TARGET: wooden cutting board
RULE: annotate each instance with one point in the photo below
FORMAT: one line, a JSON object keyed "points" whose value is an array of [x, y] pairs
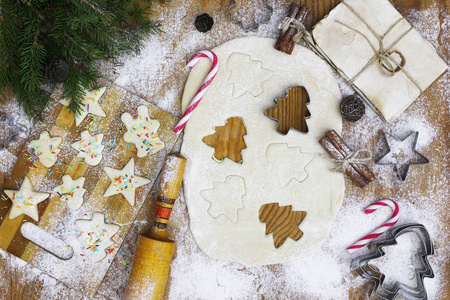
{"points": [[78, 272]]}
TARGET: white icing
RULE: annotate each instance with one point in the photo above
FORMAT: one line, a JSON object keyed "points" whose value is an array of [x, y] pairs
{"points": [[142, 131], [124, 182], [25, 200], [96, 236], [90, 105], [46, 148], [320, 193], [90, 148], [71, 191]]}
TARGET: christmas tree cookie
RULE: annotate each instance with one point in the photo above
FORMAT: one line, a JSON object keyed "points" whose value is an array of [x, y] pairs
{"points": [[71, 191], [90, 148], [142, 131], [96, 236], [46, 148], [89, 105], [124, 182], [25, 200]]}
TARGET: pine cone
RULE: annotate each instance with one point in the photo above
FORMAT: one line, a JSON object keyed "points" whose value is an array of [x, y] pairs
{"points": [[352, 108], [204, 22], [57, 71]]}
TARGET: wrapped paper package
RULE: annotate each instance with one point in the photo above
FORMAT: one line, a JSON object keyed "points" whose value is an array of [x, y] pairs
{"points": [[379, 53]]}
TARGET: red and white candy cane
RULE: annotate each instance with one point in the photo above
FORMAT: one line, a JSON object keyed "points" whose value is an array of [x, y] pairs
{"points": [[380, 230], [203, 88]]}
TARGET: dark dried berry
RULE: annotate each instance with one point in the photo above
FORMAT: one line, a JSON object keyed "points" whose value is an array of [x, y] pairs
{"points": [[56, 71], [204, 22], [352, 108]]}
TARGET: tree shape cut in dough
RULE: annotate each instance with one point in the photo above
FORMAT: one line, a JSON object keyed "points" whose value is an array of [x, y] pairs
{"points": [[228, 140], [124, 182], [246, 75], [226, 198], [142, 131], [96, 236], [288, 163], [46, 148], [25, 200], [291, 111], [71, 191], [282, 221], [90, 148], [89, 105]]}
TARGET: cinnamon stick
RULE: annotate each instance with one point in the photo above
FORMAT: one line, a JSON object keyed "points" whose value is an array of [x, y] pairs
{"points": [[343, 148], [349, 170], [285, 42]]}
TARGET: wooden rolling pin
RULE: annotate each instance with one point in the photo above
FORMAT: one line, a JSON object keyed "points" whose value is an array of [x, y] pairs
{"points": [[151, 263]]}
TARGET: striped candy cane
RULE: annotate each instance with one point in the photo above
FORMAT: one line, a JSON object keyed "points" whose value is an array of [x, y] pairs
{"points": [[203, 88], [380, 230]]}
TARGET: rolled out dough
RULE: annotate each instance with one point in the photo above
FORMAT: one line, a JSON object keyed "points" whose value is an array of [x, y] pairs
{"points": [[316, 190]]}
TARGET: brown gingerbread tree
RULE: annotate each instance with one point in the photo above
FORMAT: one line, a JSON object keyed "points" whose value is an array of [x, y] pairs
{"points": [[291, 111], [282, 221], [228, 140]]}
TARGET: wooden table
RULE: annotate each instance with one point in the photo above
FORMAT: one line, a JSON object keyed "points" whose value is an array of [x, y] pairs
{"points": [[18, 281]]}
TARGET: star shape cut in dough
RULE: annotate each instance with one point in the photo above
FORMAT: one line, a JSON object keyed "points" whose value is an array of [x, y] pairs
{"points": [[246, 75], [90, 148], [142, 131], [402, 153], [46, 148], [96, 236], [226, 198], [288, 163], [90, 105], [71, 191], [25, 200], [124, 182]]}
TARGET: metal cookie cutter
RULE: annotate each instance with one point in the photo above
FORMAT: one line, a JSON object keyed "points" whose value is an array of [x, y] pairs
{"points": [[10, 129], [402, 169], [259, 18], [361, 264]]}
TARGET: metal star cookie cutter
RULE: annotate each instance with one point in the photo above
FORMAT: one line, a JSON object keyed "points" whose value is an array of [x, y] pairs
{"points": [[403, 172], [361, 264], [235, 15]]}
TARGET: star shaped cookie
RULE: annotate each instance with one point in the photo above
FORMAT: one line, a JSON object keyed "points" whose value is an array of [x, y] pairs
{"points": [[124, 182], [90, 105], [142, 131], [90, 148], [46, 148], [96, 236], [71, 191], [25, 200]]}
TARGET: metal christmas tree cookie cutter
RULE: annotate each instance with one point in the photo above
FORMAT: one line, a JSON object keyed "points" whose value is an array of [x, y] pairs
{"points": [[235, 15], [403, 173], [361, 264]]}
